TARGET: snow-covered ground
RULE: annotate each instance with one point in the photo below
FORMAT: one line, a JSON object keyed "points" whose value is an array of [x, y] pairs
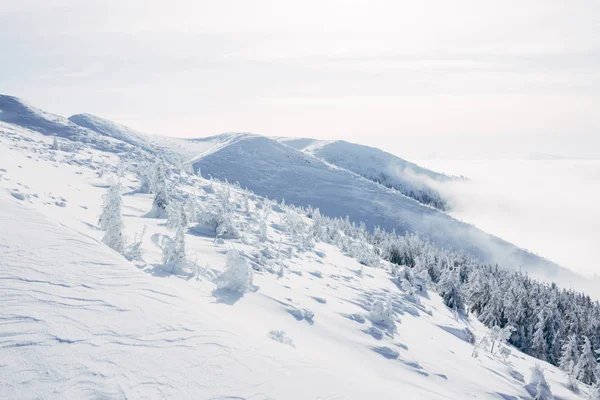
{"points": [[80, 321]]}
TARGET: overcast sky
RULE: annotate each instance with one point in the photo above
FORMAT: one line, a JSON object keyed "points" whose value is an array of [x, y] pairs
{"points": [[460, 78]]}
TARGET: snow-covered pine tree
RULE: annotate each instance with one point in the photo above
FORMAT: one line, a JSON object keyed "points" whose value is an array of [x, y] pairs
{"points": [[55, 146], [587, 365], [111, 221], [450, 291], [539, 346], [159, 205], [569, 355]]}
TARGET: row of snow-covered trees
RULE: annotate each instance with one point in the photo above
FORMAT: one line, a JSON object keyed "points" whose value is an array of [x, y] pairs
{"points": [[557, 325]]}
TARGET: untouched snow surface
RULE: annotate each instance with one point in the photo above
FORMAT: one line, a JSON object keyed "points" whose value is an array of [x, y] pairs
{"points": [[79, 321]]}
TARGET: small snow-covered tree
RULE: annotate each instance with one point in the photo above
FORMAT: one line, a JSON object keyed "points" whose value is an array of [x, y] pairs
{"points": [[586, 366], [294, 224], [569, 359], [161, 201], [483, 343], [504, 352], [55, 146], [111, 220], [382, 313], [498, 336], [237, 276], [174, 253], [134, 250], [144, 174], [538, 387], [177, 215], [192, 209], [365, 253], [569, 354], [246, 202]]}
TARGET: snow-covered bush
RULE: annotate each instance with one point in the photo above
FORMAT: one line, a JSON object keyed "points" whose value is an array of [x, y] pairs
{"points": [[237, 275], [409, 290], [134, 250], [382, 314], [537, 387]]}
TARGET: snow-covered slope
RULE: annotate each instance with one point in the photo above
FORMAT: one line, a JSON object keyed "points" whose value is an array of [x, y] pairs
{"points": [[16, 112], [111, 129], [79, 321], [281, 171], [270, 168], [175, 149], [379, 166]]}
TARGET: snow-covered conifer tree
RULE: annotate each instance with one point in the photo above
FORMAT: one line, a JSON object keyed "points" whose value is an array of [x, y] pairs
{"points": [[539, 346], [451, 292], [587, 365], [569, 357], [159, 205], [111, 221]]}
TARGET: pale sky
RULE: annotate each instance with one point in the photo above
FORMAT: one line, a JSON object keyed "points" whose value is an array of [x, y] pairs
{"points": [[477, 78]]}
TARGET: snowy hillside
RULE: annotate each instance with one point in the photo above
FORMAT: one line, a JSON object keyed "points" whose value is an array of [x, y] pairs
{"points": [[114, 130], [270, 168], [262, 311], [377, 165], [15, 111]]}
